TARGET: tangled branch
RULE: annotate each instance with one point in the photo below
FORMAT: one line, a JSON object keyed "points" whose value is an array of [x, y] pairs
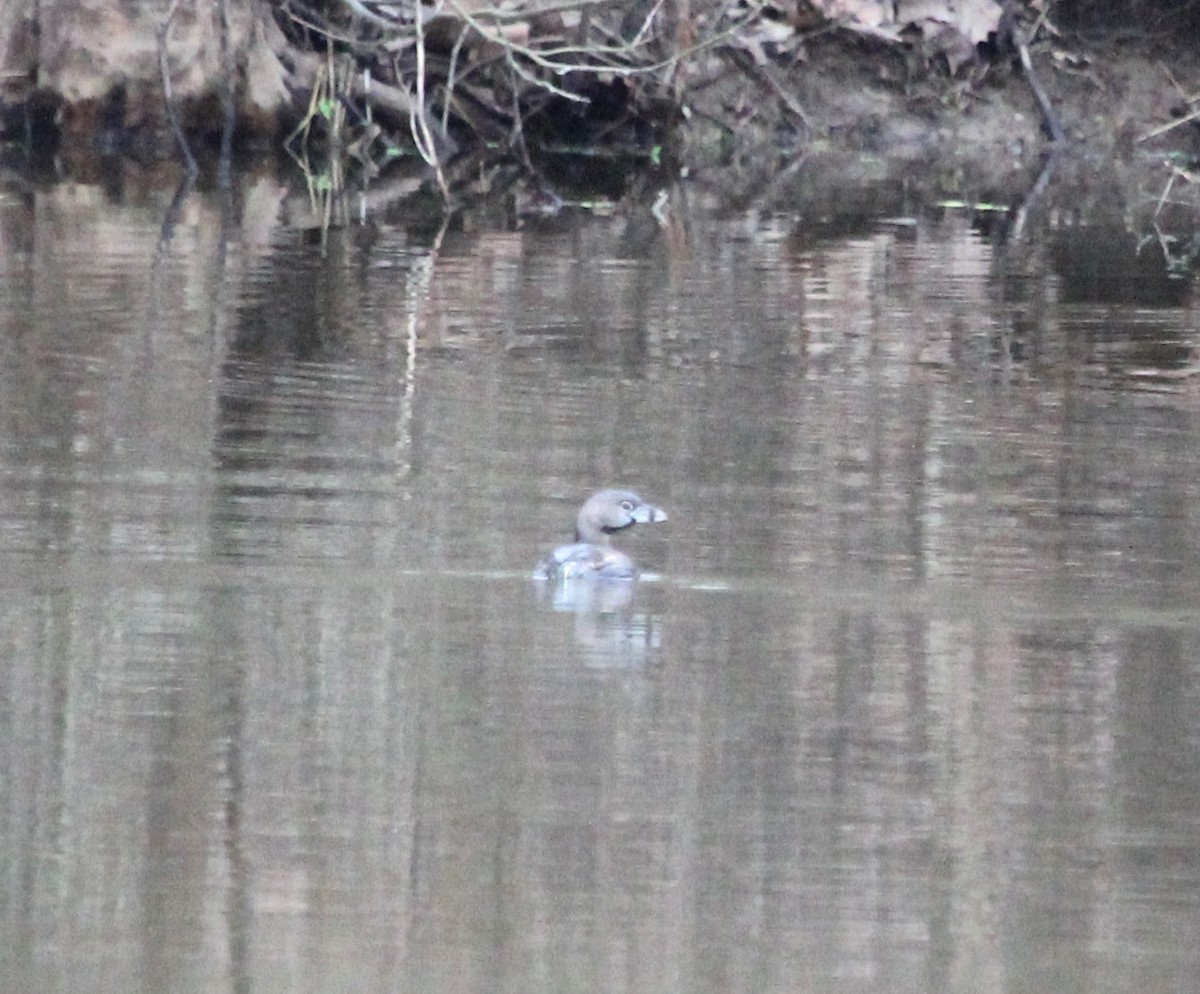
{"points": [[484, 73]]}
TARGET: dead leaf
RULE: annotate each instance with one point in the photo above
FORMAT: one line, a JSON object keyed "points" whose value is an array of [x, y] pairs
{"points": [[973, 19], [970, 20]]}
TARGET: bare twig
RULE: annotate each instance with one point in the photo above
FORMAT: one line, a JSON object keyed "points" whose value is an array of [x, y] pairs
{"points": [[1054, 127], [518, 136], [1162, 129], [769, 77], [644, 31], [1025, 210], [450, 73], [164, 29], [419, 120], [228, 110], [551, 59], [1162, 199], [366, 12]]}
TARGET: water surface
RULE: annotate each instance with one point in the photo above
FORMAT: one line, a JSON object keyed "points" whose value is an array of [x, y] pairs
{"points": [[910, 703]]}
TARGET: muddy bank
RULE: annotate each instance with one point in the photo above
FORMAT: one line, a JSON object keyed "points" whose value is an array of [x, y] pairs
{"points": [[1126, 123], [1113, 96], [99, 81]]}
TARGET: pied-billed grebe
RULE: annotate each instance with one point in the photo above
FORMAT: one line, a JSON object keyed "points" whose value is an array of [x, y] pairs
{"points": [[591, 555]]}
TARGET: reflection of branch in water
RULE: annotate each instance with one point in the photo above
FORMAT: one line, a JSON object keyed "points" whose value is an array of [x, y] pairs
{"points": [[421, 278], [418, 294]]}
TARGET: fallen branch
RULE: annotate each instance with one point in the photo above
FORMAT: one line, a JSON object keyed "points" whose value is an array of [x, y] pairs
{"points": [[1050, 121]]}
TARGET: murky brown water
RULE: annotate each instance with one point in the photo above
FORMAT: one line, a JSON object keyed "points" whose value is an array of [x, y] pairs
{"points": [[911, 704]]}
